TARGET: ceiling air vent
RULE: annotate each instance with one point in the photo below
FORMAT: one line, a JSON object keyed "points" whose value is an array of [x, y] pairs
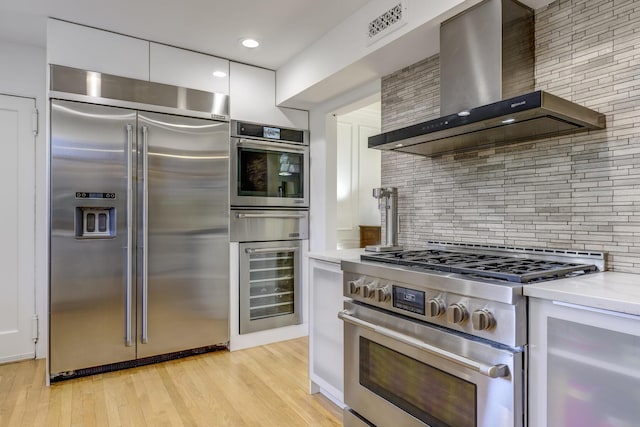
{"points": [[386, 23]]}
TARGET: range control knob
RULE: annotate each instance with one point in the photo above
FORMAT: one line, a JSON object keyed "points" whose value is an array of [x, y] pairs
{"points": [[369, 291], [482, 320], [355, 286], [435, 307], [383, 294], [456, 313]]}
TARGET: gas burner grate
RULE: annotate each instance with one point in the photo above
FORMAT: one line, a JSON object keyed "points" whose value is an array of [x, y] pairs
{"points": [[482, 265], [524, 270]]}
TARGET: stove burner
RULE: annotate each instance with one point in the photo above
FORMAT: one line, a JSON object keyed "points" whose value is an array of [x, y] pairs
{"points": [[524, 270], [501, 267]]}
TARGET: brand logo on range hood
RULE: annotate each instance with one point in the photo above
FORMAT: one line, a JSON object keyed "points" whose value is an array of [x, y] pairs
{"points": [[517, 104]]}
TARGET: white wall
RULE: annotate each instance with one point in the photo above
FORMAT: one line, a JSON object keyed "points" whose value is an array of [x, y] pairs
{"points": [[23, 73], [323, 132], [343, 58], [358, 171]]}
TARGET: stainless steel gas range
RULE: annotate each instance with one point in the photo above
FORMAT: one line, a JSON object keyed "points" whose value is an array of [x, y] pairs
{"points": [[438, 336]]}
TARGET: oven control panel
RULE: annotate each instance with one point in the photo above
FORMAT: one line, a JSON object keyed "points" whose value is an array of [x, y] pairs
{"points": [[475, 316], [408, 299]]}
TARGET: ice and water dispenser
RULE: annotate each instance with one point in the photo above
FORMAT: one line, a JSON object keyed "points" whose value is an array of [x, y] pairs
{"points": [[95, 222]]}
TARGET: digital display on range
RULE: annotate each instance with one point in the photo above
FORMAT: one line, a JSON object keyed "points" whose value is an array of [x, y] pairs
{"points": [[408, 299]]}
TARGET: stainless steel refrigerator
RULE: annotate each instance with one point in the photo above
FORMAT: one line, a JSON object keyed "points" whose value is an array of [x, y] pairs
{"points": [[139, 235]]}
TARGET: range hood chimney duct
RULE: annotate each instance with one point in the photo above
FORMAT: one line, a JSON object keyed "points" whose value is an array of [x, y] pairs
{"points": [[486, 83], [486, 55]]}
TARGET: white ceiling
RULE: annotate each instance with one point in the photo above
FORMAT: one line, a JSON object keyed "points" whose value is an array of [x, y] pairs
{"points": [[285, 27]]}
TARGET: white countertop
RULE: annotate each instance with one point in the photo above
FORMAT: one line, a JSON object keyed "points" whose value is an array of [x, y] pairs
{"points": [[337, 255], [608, 291]]}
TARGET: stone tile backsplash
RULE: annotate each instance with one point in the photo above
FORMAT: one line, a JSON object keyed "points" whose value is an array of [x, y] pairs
{"points": [[578, 192]]}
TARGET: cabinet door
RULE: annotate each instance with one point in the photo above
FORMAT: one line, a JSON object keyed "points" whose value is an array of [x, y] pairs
{"points": [[179, 67], [252, 93], [325, 332], [90, 49], [584, 366]]}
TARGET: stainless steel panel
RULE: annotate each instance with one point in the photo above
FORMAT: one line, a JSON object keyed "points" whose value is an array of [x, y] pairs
{"points": [[271, 287], [486, 55], [187, 246], [507, 293], [471, 58], [265, 225], [518, 49], [103, 87], [88, 292], [510, 318], [499, 400]]}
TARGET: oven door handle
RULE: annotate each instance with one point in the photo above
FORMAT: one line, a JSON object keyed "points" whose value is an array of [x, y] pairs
{"points": [[267, 250], [492, 371], [276, 146]]}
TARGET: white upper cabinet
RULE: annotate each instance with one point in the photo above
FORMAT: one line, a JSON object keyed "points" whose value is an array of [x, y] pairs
{"points": [[252, 98], [184, 68], [89, 49]]}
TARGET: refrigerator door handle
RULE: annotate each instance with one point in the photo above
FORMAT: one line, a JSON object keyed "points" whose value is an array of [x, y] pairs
{"points": [[129, 285], [145, 234]]}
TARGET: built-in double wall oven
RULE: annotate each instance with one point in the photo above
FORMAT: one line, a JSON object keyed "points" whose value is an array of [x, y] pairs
{"points": [[269, 191]]}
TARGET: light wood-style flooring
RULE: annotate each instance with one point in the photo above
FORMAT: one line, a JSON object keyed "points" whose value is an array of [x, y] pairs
{"points": [[261, 386]]}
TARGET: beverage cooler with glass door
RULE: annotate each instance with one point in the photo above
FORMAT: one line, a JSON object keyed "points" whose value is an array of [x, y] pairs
{"points": [[269, 275]]}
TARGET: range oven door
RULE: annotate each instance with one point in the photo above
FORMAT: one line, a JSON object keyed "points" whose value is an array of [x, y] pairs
{"points": [[269, 285], [399, 372], [268, 174]]}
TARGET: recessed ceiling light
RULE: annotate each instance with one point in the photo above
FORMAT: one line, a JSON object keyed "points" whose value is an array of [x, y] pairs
{"points": [[250, 43], [507, 121], [219, 74], [464, 113]]}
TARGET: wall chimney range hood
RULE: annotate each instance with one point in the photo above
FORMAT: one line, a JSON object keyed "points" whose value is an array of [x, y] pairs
{"points": [[486, 88], [522, 118]]}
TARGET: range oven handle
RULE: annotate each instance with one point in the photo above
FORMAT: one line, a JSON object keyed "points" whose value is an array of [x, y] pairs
{"points": [[262, 215], [272, 145], [492, 371], [267, 250]]}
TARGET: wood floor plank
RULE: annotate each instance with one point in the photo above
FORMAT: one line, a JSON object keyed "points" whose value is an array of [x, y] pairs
{"points": [[264, 386]]}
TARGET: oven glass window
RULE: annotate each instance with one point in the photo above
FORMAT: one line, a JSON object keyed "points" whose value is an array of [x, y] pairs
{"points": [[435, 397], [271, 284], [265, 173]]}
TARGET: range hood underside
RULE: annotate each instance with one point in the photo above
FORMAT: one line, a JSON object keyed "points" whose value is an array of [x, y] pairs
{"points": [[534, 128], [534, 116]]}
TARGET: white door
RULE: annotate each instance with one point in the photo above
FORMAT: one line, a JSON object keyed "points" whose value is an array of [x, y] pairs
{"points": [[17, 223]]}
